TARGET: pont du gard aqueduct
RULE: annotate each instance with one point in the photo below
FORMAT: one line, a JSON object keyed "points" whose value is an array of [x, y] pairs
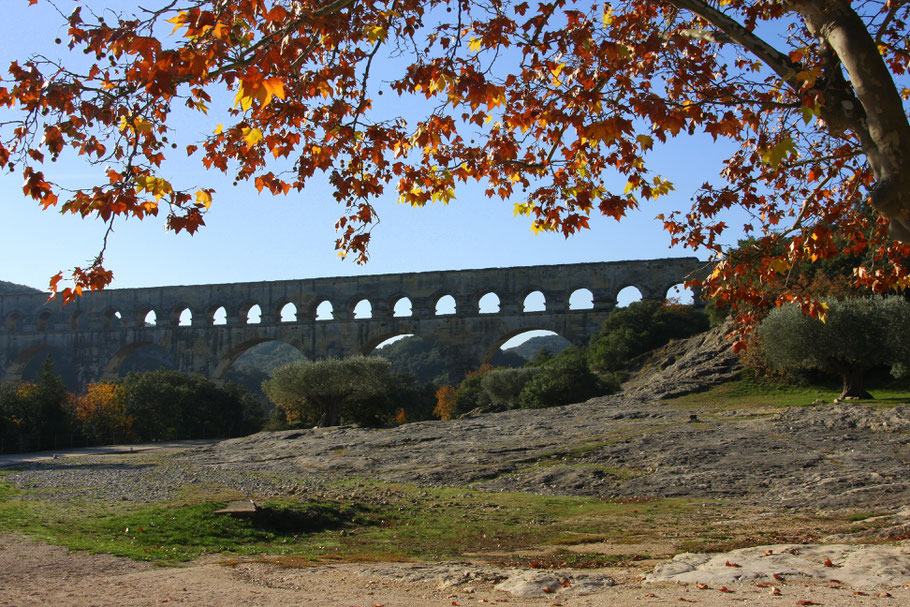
{"points": [[205, 328]]}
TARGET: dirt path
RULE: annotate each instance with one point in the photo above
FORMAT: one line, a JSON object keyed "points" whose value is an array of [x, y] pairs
{"points": [[33, 574]]}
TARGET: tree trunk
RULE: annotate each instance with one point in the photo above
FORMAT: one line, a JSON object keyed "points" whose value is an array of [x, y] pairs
{"points": [[854, 379]]}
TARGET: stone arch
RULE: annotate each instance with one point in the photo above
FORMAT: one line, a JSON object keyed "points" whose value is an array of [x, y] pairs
{"points": [[217, 315], [538, 327], [43, 321], [680, 294], [581, 299], [534, 301], [130, 358], [403, 308], [386, 336], [629, 294], [287, 312], [363, 309], [324, 310], [227, 359], [517, 339], [11, 324], [443, 304], [17, 365], [489, 303], [27, 365], [111, 319], [147, 317], [252, 315], [182, 316]]}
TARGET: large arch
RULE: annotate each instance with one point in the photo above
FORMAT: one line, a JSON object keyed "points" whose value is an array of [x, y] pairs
{"points": [[227, 359], [17, 365], [27, 365], [530, 329], [138, 356]]}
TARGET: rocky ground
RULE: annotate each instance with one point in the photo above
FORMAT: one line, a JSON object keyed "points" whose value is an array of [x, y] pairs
{"points": [[634, 445]]}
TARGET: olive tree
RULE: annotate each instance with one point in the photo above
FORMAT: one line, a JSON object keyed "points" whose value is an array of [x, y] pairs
{"points": [[330, 391], [856, 334]]}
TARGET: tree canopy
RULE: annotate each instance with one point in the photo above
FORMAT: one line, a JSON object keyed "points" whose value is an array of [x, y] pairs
{"points": [[552, 106], [859, 334]]}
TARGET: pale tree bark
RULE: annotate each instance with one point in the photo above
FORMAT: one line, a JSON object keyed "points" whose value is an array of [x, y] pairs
{"points": [[866, 103]]}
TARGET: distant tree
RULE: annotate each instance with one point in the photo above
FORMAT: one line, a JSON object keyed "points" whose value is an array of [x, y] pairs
{"points": [[446, 403], [102, 411], [36, 412], [331, 391], [564, 379], [855, 335], [639, 328], [170, 404], [470, 394], [503, 386], [427, 361]]}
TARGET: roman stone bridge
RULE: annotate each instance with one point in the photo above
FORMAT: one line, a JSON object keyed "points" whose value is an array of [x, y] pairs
{"points": [[205, 328]]}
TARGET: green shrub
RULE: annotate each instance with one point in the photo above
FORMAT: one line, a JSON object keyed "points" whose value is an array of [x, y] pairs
{"points": [[565, 379], [35, 415], [503, 386], [640, 328], [332, 391], [167, 404]]}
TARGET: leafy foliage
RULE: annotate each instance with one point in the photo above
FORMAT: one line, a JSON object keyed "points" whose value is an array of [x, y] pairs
{"points": [[167, 404], [641, 327], [855, 335], [102, 411], [504, 386], [553, 107], [35, 415], [332, 391], [564, 379]]}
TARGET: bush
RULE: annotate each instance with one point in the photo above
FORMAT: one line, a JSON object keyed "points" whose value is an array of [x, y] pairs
{"points": [[35, 415], [167, 405], [503, 386], [470, 391], [332, 391], [565, 379], [640, 328], [858, 334], [102, 411]]}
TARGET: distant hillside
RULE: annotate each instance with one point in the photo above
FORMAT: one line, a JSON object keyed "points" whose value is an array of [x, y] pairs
{"points": [[11, 288], [551, 343]]}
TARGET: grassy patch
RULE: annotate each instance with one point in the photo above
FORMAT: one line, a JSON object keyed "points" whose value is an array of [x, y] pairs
{"points": [[360, 520], [747, 393]]}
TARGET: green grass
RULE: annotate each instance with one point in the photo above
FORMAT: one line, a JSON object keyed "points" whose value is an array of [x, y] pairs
{"points": [[370, 521], [747, 393]]}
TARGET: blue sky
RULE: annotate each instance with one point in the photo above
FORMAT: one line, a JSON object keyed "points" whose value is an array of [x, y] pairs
{"points": [[252, 237]]}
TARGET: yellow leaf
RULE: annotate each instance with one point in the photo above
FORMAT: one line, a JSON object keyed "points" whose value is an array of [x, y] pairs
{"points": [[251, 136], [376, 33], [474, 44], [178, 21], [218, 129], [645, 141], [203, 198], [156, 186], [782, 149], [780, 266], [274, 86]]}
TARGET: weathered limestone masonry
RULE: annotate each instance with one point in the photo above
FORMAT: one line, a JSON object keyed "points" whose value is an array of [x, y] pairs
{"points": [[100, 330]]}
